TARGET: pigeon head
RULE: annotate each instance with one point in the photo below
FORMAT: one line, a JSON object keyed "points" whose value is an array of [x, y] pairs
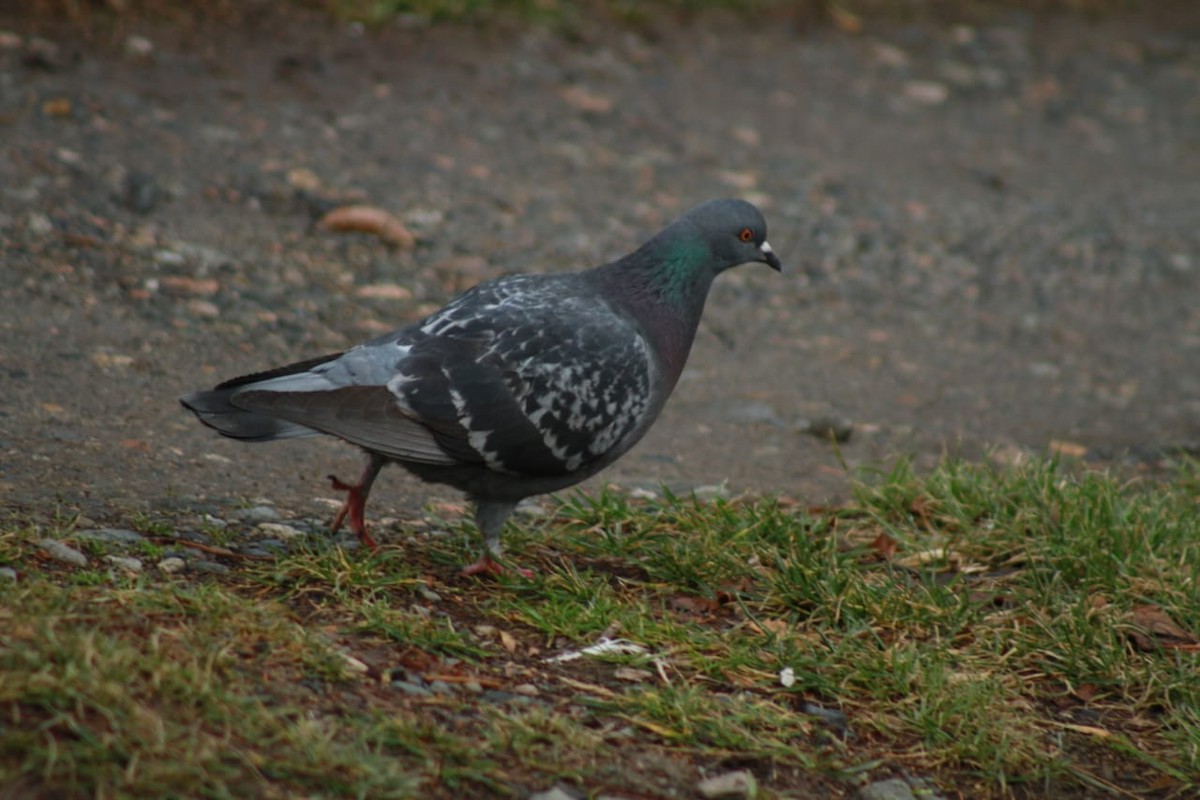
{"points": [[680, 262], [721, 234]]}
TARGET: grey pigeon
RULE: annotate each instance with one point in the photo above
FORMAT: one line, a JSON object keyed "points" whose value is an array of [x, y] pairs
{"points": [[523, 385]]}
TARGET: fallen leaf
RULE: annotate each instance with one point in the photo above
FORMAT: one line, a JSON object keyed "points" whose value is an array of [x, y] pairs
{"points": [[587, 100], [633, 675], [508, 641], [105, 360], [688, 604], [1153, 628], [1067, 449], [57, 107], [383, 291], [927, 93], [368, 219], [884, 546], [194, 287]]}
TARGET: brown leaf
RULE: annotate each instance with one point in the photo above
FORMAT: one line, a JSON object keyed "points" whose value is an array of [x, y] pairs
{"points": [[368, 219], [193, 287], [587, 100], [688, 604], [508, 641], [1153, 628], [383, 291], [1067, 449], [884, 546]]}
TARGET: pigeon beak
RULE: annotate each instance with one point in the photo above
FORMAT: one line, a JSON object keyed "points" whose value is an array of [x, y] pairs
{"points": [[769, 258]]}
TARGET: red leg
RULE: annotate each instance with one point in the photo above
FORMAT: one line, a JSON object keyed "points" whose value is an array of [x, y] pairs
{"points": [[356, 501]]}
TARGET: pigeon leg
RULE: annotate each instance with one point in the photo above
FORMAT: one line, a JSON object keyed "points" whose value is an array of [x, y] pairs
{"points": [[356, 500], [489, 518]]}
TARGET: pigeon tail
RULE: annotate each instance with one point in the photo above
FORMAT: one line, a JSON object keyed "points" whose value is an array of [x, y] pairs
{"points": [[215, 410]]}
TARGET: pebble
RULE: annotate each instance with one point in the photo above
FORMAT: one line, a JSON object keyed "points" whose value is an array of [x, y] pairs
{"points": [[38, 223], [474, 687], [500, 696], [172, 565], [112, 536], [527, 689], [210, 567], [441, 687], [411, 688], [272, 546], [61, 552], [127, 563], [8, 574], [258, 514], [840, 429], [427, 594], [730, 784], [278, 530], [909, 788], [557, 792]]}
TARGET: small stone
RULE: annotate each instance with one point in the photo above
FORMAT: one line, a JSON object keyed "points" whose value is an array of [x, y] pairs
{"points": [[112, 536], [927, 93], [258, 514], [716, 491], [557, 792], [411, 688], [527, 689], [441, 687], [474, 687], [139, 46], [837, 428], [38, 223], [428, 594], [498, 696], [61, 552], [172, 565], [272, 546], [127, 563], [8, 574], [891, 789], [210, 567], [141, 193], [739, 784], [278, 530]]}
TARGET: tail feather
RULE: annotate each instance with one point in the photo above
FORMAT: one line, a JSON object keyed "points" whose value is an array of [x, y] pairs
{"points": [[214, 409]]}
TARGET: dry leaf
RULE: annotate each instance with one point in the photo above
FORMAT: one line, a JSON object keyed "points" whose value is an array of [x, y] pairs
{"points": [[508, 641], [194, 287], [687, 604], [884, 546], [368, 219], [1153, 628], [1067, 449], [633, 675], [383, 291], [586, 100]]}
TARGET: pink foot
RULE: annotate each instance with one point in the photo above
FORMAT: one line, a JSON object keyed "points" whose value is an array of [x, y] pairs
{"points": [[356, 501], [488, 565]]}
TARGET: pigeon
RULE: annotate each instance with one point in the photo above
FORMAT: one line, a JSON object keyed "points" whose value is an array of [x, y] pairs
{"points": [[523, 385]]}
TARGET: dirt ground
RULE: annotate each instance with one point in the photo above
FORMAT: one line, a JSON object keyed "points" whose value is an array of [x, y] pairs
{"points": [[991, 232]]}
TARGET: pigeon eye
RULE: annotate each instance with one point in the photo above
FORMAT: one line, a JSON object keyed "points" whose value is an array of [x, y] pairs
{"points": [[746, 235]]}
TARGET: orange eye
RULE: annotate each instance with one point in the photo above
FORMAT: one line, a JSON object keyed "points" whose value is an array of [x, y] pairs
{"points": [[746, 235]]}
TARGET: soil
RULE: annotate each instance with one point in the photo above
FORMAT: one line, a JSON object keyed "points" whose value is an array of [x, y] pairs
{"points": [[990, 231]]}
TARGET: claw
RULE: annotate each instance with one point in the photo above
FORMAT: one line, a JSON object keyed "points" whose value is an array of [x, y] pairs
{"points": [[356, 501], [490, 566]]}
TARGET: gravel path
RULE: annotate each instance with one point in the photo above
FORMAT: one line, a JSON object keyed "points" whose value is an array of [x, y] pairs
{"points": [[992, 234]]}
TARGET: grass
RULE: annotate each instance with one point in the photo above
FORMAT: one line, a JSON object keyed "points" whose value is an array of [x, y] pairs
{"points": [[1028, 632]]}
